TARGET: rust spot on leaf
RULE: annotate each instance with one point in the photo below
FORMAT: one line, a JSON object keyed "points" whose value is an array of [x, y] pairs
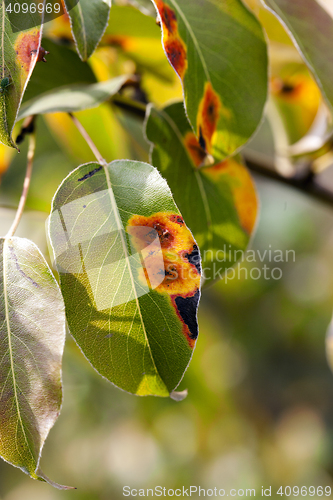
{"points": [[173, 264], [242, 188], [172, 41], [41, 54], [287, 89], [196, 152], [26, 47], [208, 117], [117, 41], [186, 309]]}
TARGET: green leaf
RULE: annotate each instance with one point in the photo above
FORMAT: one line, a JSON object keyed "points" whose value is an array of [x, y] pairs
{"points": [[219, 203], [73, 97], [129, 272], [63, 67], [88, 19], [311, 28], [32, 337], [218, 50], [19, 49]]}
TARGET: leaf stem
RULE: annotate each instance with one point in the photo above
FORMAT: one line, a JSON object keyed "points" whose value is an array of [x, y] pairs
{"points": [[89, 141], [26, 185]]}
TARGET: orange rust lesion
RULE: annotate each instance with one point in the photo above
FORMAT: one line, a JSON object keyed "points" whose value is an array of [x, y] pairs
{"points": [[26, 47], [194, 149], [289, 89], [174, 46], [117, 41], [170, 261], [208, 117], [242, 188], [297, 88]]}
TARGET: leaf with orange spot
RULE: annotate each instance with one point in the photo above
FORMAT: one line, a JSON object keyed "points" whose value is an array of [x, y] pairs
{"points": [[129, 273], [311, 27], [218, 202], [63, 68], [20, 41], [136, 37], [89, 19], [218, 50], [297, 97]]}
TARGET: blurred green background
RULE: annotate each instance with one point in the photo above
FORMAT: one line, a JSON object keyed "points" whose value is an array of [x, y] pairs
{"points": [[260, 405]]}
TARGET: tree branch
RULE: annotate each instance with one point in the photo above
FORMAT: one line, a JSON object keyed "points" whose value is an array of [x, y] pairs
{"points": [[304, 182], [26, 185]]}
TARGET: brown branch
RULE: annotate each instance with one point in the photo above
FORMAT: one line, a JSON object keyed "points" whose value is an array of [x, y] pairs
{"points": [[304, 182], [26, 185]]}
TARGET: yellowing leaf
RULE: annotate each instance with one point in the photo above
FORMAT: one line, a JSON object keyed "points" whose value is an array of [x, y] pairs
{"points": [[32, 338], [311, 28], [219, 202], [218, 50], [20, 42], [129, 272]]}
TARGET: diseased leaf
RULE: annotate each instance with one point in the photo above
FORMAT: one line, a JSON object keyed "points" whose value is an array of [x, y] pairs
{"points": [[218, 50], [219, 203], [73, 97], [137, 37], [297, 97], [18, 55], [130, 274], [88, 18], [32, 337], [311, 27], [63, 67]]}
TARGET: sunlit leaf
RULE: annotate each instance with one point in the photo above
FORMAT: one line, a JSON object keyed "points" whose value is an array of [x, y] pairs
{"points": [[130, 274], [89, 19], [218, 50], [20, 35], [32, 337], [73, 97], [219, 203], [311, 27]]}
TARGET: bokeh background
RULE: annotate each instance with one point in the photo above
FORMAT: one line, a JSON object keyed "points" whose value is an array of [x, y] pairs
{"points": [[260, 406]]}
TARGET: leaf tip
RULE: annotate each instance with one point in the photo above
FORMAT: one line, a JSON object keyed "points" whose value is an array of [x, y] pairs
{"points": [[41, 477], [178, 395]]}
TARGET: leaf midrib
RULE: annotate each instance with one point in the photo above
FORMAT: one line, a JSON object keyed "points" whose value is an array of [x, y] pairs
{"points": [[5, 245], [124, 245], [83, 30]]}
